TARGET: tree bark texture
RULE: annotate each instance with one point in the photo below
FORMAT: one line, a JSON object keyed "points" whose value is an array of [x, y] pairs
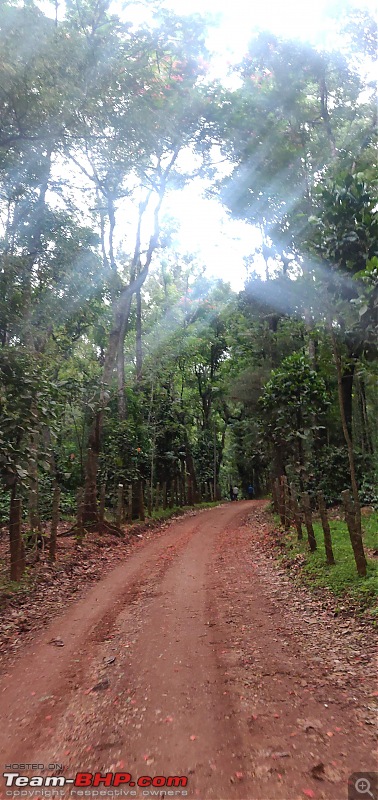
{"points": [[17, 553], [326, 529], [308, 521], [354, 533]]}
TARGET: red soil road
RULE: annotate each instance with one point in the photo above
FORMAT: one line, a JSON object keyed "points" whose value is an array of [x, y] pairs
{"points": [[188, 660]]}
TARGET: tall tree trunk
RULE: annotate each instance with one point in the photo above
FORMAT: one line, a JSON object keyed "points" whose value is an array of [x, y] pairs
{"points": [[121, 382], [347, 378], [192, 483], [138, 340], [33, 498], [120, 321], [367, 439], [95, 435], [116, 339], [35, 247], [347, 437], [17, 552], [278, 462], [325, 114]]}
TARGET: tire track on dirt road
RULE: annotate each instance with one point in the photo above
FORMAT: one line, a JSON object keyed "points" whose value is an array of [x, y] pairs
{"points": [[193, 658], [40, 683], [45, 699]]}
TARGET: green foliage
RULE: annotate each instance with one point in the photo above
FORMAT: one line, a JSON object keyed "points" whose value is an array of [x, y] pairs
{"points": [[346, 236], [283, 127], [27, 400], [342, 578], [369, 490], [329, 470], [290, 400], [95, 113]]}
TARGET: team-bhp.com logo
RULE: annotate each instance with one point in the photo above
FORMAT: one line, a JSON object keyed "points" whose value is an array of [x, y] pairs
{"points": [[15, 782]]}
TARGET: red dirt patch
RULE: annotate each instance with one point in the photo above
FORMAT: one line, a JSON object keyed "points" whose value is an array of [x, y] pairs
{"points": [[196, 656]]}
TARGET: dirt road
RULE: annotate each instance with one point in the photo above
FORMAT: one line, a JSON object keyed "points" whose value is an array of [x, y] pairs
{"points": [[196, 657]]}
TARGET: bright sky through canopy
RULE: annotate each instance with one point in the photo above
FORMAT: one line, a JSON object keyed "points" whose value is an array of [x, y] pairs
{"points": [[204, 226]]}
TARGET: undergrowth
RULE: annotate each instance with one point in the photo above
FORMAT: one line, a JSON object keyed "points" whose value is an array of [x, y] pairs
{"points": [[342, 578], [166, 513]]}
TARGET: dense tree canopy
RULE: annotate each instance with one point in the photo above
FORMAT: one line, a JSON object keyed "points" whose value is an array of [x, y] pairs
{"points": [[120, 361]]}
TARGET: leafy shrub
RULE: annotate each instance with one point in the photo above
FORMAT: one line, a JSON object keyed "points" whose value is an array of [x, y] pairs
{"points": [[331, 474]]}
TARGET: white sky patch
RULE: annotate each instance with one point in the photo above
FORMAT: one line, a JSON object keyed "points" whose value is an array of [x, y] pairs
{"points": [[206, 229], [291, 19]]}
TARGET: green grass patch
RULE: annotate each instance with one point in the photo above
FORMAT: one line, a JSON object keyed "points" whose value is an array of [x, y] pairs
{"points": [[342, 579], [166, 513]]}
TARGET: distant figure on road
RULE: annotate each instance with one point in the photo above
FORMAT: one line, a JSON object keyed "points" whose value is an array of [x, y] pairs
{"points": [[250, 491], [231, 492], [235, 492]]}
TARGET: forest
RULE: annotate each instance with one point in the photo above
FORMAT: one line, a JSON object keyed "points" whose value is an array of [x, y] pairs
{"points": [[130, 380]]}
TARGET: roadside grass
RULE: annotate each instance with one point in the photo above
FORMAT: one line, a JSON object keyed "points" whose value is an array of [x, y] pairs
{"points": [[342, 578], [166, 513]]}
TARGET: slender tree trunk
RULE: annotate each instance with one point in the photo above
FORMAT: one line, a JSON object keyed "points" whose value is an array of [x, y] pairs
{"points": [[138, 341], [102, 504], [308, 521], [297, 513], [121, 382], [119, 506], [354, 533], [275, 497], [278, 461], [54, 524], [326, 529], [80, 515], [150, 500], [281, 501], [325, 115], [130, 504], [142, 515], [17, 553], [192, 483], [184, 494], [33, 498], [347, 378], [286, 503], [90, 514], [116, 341], [367, 439], [347, 437], [157, 497]]}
